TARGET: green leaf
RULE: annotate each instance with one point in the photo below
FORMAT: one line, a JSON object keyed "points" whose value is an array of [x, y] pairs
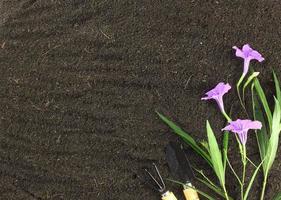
{"points": [[277, 196], [274, 137], [261, 135], [187, 139], [263, 100], [212, 187], [254, 75], [205, 144], [206, 178], [252, 181], [277, 87], [225, 147], [215, 154], [225, 141], [210, 184]]}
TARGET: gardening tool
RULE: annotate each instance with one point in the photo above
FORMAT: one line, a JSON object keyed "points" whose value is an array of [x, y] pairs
{"points": [[159, 185], [181, 169]]}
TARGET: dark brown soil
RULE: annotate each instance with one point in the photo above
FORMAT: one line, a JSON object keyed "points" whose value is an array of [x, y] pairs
{"points": [[81, 80]]}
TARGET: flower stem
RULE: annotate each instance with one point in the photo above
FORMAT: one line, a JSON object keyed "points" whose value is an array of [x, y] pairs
{"points": [[233, 171], [226, 116], [225, 141], [244, 161], [263, 187], [240, 80], [225, 193], [243, 182], [238, 93]]}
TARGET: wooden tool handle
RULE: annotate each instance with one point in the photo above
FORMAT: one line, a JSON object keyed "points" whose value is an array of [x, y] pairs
{"points": [[190, 194], [168, 196]]}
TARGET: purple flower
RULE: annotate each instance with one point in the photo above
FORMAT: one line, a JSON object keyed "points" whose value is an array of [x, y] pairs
{"points": [[217, 94], [248, 54], [241, 127]]}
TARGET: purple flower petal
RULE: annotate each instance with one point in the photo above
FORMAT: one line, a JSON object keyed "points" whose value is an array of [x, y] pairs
{"points": [[256, 55], [243, 136], [241, 127], [248, 54], [252, 124], [217, 94], [238, 52], [228, 128], [246, 48]]}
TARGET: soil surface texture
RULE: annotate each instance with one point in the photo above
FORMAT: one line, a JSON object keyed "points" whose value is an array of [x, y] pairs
{"points": [[80, 81]]}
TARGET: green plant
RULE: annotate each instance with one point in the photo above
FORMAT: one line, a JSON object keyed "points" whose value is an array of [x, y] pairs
{"points": [[266, 124]]}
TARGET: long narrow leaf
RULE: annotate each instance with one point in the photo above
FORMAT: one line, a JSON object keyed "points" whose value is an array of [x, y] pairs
{"points": [[277, 196], [225, 147], [254, 75], [264, 102], [274, 138], [213, 188], [261, 135], [215, 154], [225, 142], [206, 178], [187, 139], [252, 181], [277, 87]]}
